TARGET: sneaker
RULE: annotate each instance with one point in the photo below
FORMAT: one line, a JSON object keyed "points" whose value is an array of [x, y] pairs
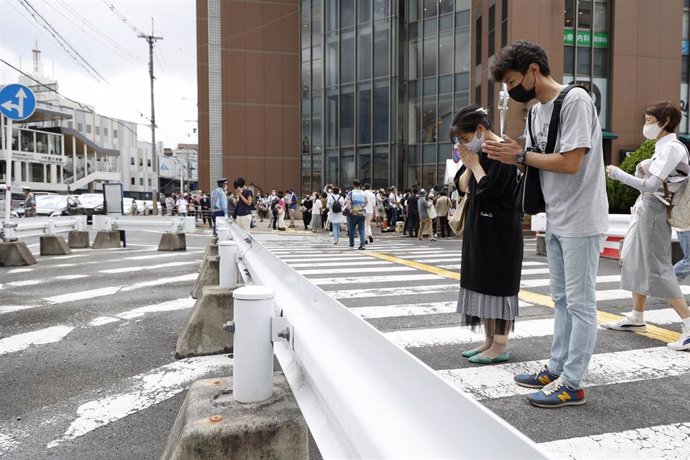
{"points": [[627, 324], [537, 380], [361, 248], [557, 394], [683, 342], [371, 239]]}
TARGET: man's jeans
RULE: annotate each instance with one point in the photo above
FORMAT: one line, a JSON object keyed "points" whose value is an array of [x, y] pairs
{"points": [[394, 216], [573, 263], [358, 221], [215, 214], [682, 267]]}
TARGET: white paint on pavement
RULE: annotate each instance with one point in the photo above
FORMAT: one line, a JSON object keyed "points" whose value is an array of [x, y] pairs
{"points": [[418, 338], [371, 279], [103, 320], [535, 271], [669, 442], [158, 282], [390, 291], [662, 316], [45, 280], [137, 268], [144, 391], [160, 256], [393, 311], [12, 308], [325, 265], [20, 342], [336, 271], [7, 443], [604, 369], [542, 282], [20, 270], [184, 303], [619, 294]]}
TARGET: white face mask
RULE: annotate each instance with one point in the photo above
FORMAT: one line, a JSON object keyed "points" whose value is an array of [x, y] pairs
{"points": [[475, 145], [651, 130]]}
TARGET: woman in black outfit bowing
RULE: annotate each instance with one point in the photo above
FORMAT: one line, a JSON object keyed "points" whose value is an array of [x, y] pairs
{"points": [[492, 241]]}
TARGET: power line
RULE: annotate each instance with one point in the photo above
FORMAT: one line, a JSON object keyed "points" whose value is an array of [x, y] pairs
{"points": [[122, 17]]}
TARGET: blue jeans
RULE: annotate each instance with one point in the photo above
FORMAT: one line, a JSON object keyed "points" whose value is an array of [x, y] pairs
{"points": [[336, 232], [682, 267], [357, 221], [394, 216], [573, 263], [215, 214]]}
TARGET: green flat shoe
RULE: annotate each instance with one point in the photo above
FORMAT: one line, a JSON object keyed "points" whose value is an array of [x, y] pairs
{"points": [[470, 353], [479, 359]]}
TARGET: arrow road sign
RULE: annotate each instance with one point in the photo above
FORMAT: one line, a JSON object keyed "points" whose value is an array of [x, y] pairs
{"points": [[17, 102]]}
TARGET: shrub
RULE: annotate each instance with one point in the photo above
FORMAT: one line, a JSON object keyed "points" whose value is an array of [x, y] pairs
{"points": [[621, 196]]}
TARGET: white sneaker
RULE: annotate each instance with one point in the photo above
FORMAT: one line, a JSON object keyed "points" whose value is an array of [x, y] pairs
{"points": [[683, 342], [627, 324]]}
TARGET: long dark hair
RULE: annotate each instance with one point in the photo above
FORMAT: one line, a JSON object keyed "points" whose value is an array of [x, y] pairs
{"points": [[467, 120]]}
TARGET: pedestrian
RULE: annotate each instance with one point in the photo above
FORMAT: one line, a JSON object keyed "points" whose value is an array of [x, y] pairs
{"points": [[412, 213], [169, 204], [335, 205], [243, 209], [280, 212], [371, 203], [181, 205], [205, 205], [272, 209], [291, 200], [29, 203], [443, 206], [574, 189], [219, 202], [492, 240], [316, 219], [393, 202], [323, 197], [355, 203], [306, 206], [381, 205], [646, 268], [232, 201], [423, 206]]}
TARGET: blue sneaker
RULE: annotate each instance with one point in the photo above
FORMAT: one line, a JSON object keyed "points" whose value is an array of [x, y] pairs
{"points": [[537, 380], [557, 394]]}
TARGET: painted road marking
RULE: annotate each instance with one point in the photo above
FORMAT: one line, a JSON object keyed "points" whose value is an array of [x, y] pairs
{"points": [[393, 291], [341, 264], [23, 341], [172, 305], [12, 308], [371, 279], [144, 391], [542, 282], [148, 267], [496, 381], [392, 311], [336, 271], [45, 280]]}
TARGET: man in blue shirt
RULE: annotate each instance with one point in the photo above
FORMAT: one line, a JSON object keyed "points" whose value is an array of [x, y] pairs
{"points": [[219, 202], [291, 201]]}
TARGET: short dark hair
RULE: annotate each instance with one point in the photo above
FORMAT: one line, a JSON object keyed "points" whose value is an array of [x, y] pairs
{"points": [[336, 190], [518, 56], [664, 110], [414, 190], [367, 186], [355, 182], [467, 120], [239, 182]]}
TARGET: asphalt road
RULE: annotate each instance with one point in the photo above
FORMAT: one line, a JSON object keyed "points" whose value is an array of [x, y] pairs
{"points": [[87, 342]]}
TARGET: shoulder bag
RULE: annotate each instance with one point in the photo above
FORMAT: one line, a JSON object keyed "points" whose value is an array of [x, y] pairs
{"points": [[529, 197]]}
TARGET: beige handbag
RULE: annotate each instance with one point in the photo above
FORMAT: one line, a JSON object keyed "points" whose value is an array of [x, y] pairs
{"points": [[457, 220]]}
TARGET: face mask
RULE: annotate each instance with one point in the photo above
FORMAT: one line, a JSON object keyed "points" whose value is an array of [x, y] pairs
{"points": [[651, 130], [475, 145], [520, 94]]}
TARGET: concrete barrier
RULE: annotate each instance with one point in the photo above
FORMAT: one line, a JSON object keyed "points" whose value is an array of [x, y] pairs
{"points": [[212, 425], [78, 239], [203, 332], [15, 254], [208, 276], [54, 245], [107, 239], [173, 242]]}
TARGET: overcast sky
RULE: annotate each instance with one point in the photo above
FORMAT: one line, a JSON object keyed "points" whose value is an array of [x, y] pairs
{"points": [[112, 48]]}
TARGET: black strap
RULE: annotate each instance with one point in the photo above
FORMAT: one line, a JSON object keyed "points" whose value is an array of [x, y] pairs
{"points": [[555, 122]]}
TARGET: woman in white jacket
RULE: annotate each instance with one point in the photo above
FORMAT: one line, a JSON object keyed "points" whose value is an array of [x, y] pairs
{"points": [[336, 218]]}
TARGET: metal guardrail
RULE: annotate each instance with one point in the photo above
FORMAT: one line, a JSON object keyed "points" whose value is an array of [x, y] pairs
{"points": [[361, 395], [145, 223], [40, 226]]}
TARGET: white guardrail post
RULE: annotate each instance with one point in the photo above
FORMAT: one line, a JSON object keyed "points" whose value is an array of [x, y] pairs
{"points": [[252, 377], [227, 252], [361, 395]]}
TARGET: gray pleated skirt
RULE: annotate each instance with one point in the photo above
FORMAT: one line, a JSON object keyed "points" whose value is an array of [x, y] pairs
{"points": [[475, 307], [646, 267]]}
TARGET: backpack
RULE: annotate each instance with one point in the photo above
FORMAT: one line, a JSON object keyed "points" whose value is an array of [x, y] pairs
{"points": [[678, 212], [337, 205]]}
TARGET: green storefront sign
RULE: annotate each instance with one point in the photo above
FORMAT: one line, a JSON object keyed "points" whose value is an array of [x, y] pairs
{"points": [[584, 38]]}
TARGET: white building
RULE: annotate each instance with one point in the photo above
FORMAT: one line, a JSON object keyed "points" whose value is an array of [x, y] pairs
{"points": [[178, 169]]}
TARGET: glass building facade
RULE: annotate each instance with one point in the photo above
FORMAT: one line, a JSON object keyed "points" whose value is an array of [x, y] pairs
{"points": [[381, 80]]}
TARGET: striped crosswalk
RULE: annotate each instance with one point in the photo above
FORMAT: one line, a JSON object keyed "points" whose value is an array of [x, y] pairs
{"points": [[415, 307]]}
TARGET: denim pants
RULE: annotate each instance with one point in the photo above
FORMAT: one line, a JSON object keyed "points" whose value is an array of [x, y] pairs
{"points": [[682, 267], [336, 232], [358, 221], [573, 263], [394, 216]]}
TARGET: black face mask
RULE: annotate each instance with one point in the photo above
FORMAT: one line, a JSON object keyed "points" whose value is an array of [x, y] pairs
{"points": [[520, 94]]}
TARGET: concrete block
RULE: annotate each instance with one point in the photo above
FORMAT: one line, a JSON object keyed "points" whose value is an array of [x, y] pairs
{"points": [[212, 425], [78, 239], [211, 251], [173, 242], [541, 244], [15, 254], [54, 245], [107, 240], [203, 332], [208, 276]]}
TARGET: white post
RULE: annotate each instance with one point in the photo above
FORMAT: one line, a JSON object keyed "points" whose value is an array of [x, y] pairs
{"points": [[223, 233], [8, 170], [253, 349], [227, 251]]}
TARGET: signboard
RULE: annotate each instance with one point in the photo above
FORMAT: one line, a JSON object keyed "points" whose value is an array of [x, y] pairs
{"points": [[584, 38], [40, 158], [113, 197], [17, 102]]}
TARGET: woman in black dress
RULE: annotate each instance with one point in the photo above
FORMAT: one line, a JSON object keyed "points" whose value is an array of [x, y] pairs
{"points": [[492, 241]]}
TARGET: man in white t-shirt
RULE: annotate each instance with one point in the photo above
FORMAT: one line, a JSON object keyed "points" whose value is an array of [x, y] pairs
{"points": [[369, 208], [574, 188], [393, 202], [181, 206]]}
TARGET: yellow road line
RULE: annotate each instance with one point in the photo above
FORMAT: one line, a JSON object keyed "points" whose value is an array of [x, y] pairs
{"points": [[653, 332]]}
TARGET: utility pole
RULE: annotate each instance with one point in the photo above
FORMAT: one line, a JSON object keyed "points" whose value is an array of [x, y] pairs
{"points": [[151, 40]]}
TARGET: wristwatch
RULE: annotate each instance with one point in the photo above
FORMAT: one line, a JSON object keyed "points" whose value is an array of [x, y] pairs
{"points": [[520, 157]]}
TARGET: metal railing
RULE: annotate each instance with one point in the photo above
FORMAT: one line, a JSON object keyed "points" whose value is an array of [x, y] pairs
{"points": [[40, 226], [361, 395], [144, 223]]}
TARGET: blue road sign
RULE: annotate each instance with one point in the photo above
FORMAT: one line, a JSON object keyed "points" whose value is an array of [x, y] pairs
{"points": [[17, 102]]}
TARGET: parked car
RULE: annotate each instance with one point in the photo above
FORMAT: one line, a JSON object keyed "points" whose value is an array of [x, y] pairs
{"points": [[91, 203], [57, 205]]}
